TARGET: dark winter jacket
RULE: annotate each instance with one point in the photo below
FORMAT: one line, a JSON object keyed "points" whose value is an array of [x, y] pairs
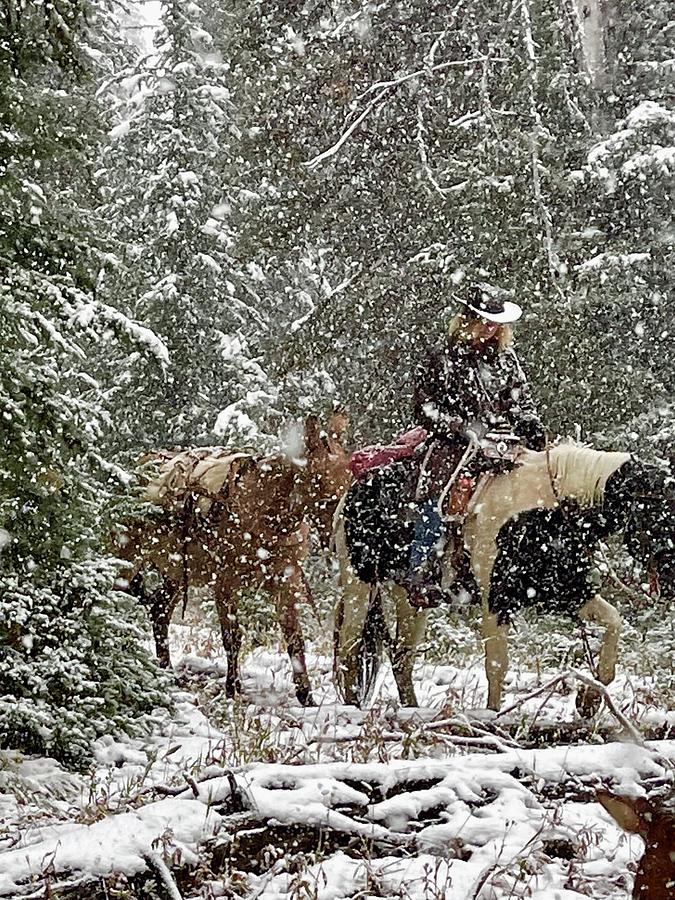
{"points": [[460, 389]]}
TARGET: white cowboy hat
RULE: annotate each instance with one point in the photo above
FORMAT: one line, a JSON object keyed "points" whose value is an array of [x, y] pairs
{"points": [[488, 302]]}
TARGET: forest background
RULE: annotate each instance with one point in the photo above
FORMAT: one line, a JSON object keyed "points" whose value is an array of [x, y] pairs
{"points": [[219, 216]]}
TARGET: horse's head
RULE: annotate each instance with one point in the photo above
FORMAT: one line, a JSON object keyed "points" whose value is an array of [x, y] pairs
{"points": [[650, 530], [326, 474]]}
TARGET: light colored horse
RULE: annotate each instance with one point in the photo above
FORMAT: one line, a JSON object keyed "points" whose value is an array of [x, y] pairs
{"points": [[251, 534], [566, 476]]}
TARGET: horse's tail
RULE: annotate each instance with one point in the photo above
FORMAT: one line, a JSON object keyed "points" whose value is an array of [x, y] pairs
{"points": [[366, 655], [357, 658], [375, 638]]}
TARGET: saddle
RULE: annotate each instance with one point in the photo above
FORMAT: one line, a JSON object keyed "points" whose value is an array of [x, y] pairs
{"points": [[381, 506], [502, 450], [204, 474], [459, 497], [497, 452]]}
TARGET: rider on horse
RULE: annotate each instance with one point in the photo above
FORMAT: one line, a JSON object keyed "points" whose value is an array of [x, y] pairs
{"points": [[468, 392]]}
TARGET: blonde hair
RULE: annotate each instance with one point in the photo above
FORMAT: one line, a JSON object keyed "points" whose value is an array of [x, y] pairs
{"points": [[467, 328]]}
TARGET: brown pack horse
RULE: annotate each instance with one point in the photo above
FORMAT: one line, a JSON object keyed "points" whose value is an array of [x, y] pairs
{"points": [[653, 818], [529, 534], [252, 535]]}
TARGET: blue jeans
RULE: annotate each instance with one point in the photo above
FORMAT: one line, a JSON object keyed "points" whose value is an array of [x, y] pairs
{"points": [[427, 540]]}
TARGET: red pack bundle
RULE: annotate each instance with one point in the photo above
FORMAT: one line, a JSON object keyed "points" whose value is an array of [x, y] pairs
{"points": [[362, 461]]}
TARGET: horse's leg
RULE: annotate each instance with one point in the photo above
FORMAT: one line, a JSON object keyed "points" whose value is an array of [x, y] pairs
{"points": [[495, 640], [351, 610], [161, 604], [410, 627], [603, 613], [227, 604], [291, 590], [598, 610]]}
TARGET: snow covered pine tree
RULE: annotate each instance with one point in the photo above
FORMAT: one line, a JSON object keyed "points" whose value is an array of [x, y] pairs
{"points": [[72, 665]]}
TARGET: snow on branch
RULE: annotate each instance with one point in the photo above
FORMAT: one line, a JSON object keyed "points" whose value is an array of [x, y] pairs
{"points": [[616, 262], [122, 324], [646, 115], [420, 138], [315, 161], [386, 89], [537, 131], [79, 310], [164, 876]]}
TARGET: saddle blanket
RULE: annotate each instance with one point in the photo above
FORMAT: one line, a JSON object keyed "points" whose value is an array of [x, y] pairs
{"points": [[367, 458]]}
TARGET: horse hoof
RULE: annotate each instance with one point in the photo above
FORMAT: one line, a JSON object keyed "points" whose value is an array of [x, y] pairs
{"points": [[588, 702], [350, 698], [232, 690], [409, 700]]}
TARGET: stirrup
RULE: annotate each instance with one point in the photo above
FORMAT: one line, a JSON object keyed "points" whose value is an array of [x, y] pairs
{"points": [[428, 597]]}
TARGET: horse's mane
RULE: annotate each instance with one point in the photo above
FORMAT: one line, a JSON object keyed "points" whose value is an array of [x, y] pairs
{"points": [[581, 473]]}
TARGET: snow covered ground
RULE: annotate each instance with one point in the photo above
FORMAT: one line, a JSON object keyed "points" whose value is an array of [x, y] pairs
{"points": [[264, 799]]}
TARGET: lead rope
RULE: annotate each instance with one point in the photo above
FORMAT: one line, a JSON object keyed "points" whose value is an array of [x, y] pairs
{"points": [[423, 472]]}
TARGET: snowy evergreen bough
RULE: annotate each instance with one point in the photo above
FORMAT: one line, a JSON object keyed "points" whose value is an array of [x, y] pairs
{"points": [[408, 149], [169, 184], [72, 664]]}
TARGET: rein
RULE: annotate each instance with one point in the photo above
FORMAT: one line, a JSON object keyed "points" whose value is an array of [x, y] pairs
{"points": [[185, 535], [467, 456], [554, 486]]}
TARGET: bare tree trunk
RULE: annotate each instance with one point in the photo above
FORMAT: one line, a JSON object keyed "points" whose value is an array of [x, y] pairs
{"points": [[593, 19]]}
